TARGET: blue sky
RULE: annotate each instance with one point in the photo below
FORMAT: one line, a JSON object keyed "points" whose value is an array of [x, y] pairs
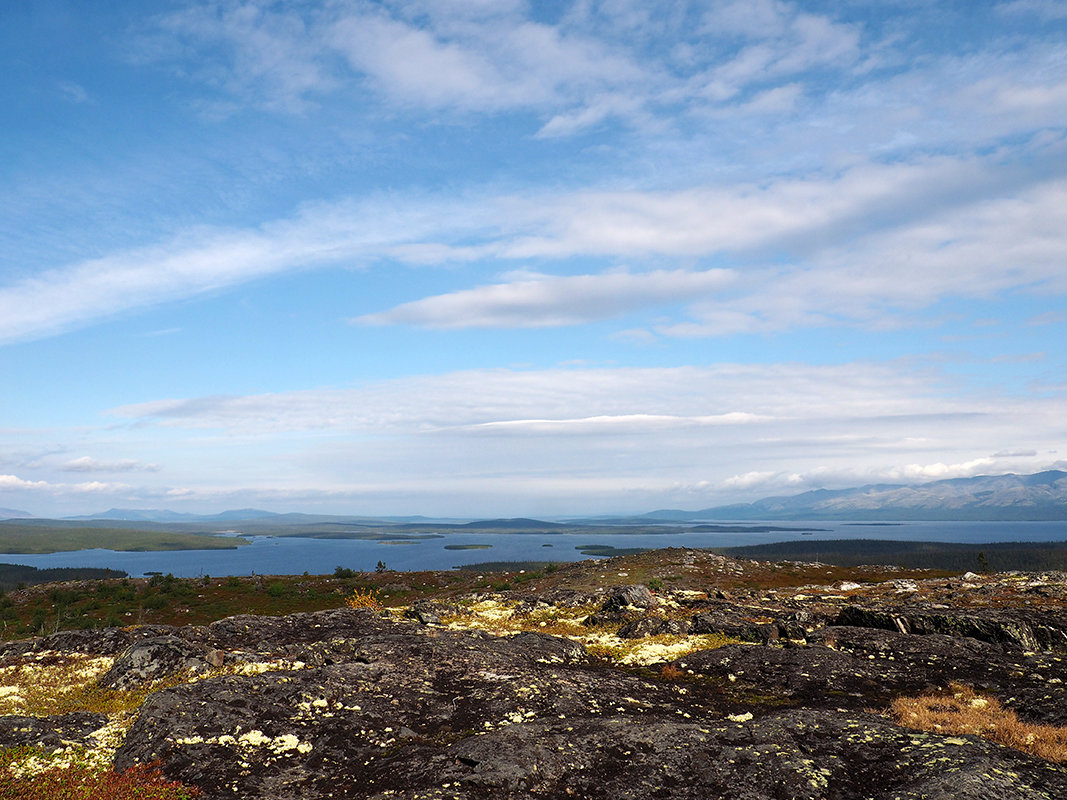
{"points": [[473, 257]]}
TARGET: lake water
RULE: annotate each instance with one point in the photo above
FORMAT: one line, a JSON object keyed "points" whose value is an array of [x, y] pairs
{"points": [[269, 555]]}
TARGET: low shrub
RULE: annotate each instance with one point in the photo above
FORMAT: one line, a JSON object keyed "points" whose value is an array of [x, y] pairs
{"points": [[64, 780], [363, 598]]}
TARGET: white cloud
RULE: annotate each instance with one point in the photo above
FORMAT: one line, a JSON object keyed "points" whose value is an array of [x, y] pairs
{"points": [[14, 483], [549, 300], [626, 436], [615, 423], [205, 260], [266, 56], [594, 62], [756, 484], [864, 245], [1048, 318], [74, 92], [89, 464], [1045, 9], [8, 482], [642, 396], [939, 471], [787, 42]]}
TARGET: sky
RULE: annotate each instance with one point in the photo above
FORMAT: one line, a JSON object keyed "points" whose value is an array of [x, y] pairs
{"points": [[502, 258]]}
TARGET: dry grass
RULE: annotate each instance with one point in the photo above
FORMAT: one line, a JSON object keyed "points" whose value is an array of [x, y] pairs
{"points": [[964, 711], [364, 598], [671, 673]]}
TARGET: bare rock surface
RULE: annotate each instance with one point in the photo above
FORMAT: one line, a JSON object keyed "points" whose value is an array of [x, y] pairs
{"points": [[50, 732], [155, 658], [776, 693], [403, 710]]}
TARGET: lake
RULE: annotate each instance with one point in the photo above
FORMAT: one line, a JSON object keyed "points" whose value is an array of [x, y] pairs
{"points": [[268, 555]]}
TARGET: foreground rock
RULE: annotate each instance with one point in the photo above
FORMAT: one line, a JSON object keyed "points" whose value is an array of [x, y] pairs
{"points": [[397, 709], [353, 704]]}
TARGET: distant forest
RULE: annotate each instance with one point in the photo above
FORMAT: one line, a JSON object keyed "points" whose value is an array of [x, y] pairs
{"points": [[12, 575], [994, 557]]}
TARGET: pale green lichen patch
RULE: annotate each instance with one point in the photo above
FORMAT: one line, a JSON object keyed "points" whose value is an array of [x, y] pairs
{"points": [[284, 744], [51, 683], [503, 617]]}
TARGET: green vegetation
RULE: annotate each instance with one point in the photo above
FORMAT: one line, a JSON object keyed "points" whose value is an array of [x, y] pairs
{"points": [[505, 566], [11, 575], [165, 599], [607, 551], [21, 537]]}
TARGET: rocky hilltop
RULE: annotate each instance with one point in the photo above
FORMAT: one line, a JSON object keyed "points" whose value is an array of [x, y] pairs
{"points": [[713, 685]]}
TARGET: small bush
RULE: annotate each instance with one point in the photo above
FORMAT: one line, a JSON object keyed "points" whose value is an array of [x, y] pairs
{"points": [[671, 672], [344, 572], [655, 584], [363, 598]]}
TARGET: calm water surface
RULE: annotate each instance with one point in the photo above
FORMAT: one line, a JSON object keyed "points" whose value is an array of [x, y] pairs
{"points": [[269, 555]]}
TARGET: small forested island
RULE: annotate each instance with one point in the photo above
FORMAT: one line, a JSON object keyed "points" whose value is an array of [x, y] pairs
{"points": [[674, 673]]}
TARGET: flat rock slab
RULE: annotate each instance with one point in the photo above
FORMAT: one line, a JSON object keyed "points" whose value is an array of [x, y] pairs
{"points": [[61, 730]]}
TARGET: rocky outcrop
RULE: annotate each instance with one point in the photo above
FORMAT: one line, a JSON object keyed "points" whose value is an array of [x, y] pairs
{"points": [[158, 657], [1028, 630], [398, 709], [104, 642], [777, 694], [60, 730]]}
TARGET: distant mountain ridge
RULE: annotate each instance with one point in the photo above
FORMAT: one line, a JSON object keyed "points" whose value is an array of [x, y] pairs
{"points": [[1010, 497], [163, 515], [14, 513]]}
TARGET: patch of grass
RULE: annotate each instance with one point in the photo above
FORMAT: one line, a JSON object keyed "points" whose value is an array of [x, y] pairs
{"points": [[963, 711]]}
